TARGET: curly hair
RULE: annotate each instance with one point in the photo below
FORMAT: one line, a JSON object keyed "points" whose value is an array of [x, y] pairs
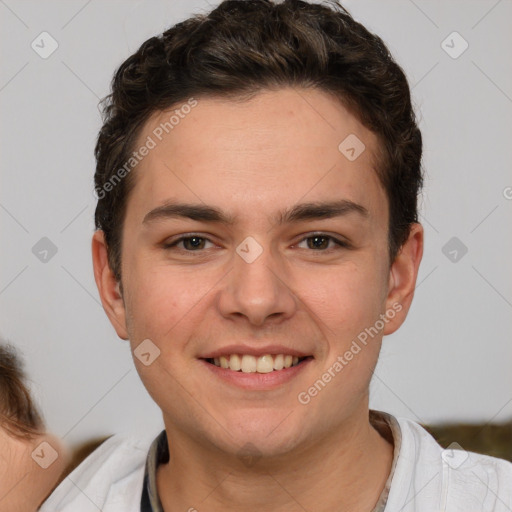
{"points": [[246, 46], [18, 413]]}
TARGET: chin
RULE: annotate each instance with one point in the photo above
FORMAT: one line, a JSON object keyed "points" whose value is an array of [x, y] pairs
{"points": [[261, 435]]}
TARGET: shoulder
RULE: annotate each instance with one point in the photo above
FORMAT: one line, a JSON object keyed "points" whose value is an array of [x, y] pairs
{"points": [[110, 479], [448, 479]]}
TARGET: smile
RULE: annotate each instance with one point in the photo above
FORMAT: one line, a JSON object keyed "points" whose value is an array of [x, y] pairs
{"points": [[247, 363]]}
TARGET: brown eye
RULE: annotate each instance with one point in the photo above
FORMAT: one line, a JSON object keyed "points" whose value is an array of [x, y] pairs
{"points": [[318, 242], [321, 242], [193, 242], [189, 244]]}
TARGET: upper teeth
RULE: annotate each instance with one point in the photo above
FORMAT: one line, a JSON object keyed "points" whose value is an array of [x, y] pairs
{"points": [[252, 364]]}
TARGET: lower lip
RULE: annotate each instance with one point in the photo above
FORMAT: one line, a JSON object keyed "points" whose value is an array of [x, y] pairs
{"points": [[258, 381]]}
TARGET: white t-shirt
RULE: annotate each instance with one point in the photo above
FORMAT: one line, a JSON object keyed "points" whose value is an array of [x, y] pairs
{"points": [[425, 477]]}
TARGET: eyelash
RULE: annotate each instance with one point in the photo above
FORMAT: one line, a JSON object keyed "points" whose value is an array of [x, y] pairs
{"points": [[339, 243]]}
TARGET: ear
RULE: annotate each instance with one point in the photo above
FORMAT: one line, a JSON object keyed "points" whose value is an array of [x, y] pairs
{"points": [[108, 287], [402, 279]]}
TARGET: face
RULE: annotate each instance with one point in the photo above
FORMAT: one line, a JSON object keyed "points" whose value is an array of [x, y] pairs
{"points": [[29, 470], [250, 234]]}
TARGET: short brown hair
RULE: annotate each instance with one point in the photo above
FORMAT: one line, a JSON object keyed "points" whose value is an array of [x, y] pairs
{"points": [[246, 46], [18, 413]]}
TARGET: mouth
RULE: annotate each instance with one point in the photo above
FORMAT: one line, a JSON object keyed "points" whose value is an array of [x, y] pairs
{"points": [[247, 363]]}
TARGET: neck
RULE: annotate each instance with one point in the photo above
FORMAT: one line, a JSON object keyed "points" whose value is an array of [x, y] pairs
{"points": [[346, 470]]}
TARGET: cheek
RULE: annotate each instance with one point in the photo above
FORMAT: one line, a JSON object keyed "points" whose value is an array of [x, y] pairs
{"points": [[167, 306], [160, 297], [345, 299]]}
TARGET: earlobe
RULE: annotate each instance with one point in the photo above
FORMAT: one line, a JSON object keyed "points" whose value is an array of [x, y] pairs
{"points": [[402, 278], [108, 286]]}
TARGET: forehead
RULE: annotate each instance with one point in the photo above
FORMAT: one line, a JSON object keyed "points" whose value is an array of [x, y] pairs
{"points": [[257, 155]]}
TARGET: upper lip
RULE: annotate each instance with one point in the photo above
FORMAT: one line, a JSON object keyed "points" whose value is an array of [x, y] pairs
{"points": [[253, 351]]}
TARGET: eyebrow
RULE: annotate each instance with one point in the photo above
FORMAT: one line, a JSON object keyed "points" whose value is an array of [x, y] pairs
{"points": [[298, 213]]}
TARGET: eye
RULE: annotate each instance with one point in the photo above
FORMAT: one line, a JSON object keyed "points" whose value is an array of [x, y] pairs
{"points": [[191, 243], [319, 242], [322, 242]]}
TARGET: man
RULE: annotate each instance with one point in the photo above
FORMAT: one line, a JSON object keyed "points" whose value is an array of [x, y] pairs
{"points": [[257, 180], [31, 461]]}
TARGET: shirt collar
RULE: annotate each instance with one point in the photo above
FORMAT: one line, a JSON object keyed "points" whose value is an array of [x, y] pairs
{"points": [[385, 424]]}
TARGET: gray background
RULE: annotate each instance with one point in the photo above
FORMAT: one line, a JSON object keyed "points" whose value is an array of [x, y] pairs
{"points": [[452, 358]]}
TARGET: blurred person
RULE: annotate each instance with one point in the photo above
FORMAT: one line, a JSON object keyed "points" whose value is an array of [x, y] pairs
{"points": [[31, 460], [257, 235]]}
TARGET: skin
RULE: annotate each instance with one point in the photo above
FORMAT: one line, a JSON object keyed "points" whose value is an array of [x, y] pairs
{"points": [[24, 484], [251, 160]]}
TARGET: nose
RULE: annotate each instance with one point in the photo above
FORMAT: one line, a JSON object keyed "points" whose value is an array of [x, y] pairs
{"points": [[257, 291]]}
